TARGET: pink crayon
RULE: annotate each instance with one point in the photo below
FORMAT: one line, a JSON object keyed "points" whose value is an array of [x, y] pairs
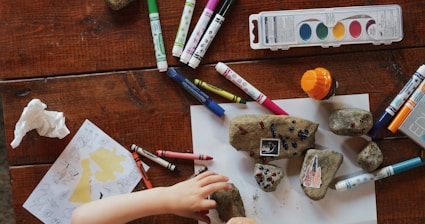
{"points": [[182, 155]]}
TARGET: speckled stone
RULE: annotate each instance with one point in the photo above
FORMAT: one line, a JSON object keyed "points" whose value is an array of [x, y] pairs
{"points": [[370, 158], [350, 122], [117, 4], [268, 176], [295, 135], [328, 163], [229, 203]]}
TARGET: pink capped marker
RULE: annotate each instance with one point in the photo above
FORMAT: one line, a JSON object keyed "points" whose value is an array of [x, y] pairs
{"points": [[254, 93]]}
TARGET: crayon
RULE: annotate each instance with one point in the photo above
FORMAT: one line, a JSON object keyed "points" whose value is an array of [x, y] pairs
{"points": [[145, 177], [153, 157], [195, 92], [218, 91], [182, 155]]}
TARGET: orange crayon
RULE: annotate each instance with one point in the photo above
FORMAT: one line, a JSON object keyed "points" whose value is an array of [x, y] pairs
{"points": [[145, 177]]}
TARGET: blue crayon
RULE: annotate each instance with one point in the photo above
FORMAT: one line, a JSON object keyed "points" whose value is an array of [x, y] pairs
{"points": [[195, 92], [398, 101]]}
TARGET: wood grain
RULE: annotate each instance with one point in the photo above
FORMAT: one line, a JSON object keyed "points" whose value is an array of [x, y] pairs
{"points": [[90, 62]]}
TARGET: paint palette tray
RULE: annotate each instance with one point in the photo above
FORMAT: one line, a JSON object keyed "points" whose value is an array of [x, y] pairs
{"points": [[326, 27]]}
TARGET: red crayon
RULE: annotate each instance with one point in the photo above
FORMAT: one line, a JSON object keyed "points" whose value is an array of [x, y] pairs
{"points": [[182, 155]]}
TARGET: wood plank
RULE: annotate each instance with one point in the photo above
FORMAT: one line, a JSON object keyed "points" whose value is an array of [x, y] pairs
{"points": [[146, 107], [144, 104], [70, 37]]}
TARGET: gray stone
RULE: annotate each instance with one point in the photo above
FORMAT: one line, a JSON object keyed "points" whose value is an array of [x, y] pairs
{"points": [[318, 171], [292, 135], [117, 4], [350, 122], [229, 203], [268, 176], [370, 158]]}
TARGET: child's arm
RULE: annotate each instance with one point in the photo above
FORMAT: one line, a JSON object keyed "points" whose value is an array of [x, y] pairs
{"points": [[186, 199]]}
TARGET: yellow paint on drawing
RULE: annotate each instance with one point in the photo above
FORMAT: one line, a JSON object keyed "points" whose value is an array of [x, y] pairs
{"points": [[82, 192], [109, 163]]}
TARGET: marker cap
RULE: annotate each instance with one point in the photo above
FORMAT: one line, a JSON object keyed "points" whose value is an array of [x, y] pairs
{"points": [[194, 62], [341, 186], [152, 6], [318, 84], [177, 51], [220, 67], [215, 108], [185, 57], [421, 70], [162, 66], [399, 119], [379, 124], [273, 107], [211, 4]]}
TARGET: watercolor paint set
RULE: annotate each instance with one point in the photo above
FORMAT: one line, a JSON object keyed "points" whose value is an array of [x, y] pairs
{"points": [[326, 27]]}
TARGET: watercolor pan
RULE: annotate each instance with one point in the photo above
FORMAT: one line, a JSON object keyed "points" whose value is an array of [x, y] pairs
{"points": [[326, 27]]}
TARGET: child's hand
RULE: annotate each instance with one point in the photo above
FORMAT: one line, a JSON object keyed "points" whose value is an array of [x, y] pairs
{"points": [[189, 197]]}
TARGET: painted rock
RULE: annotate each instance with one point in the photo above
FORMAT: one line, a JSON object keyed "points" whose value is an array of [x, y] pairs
{"points": [[271, 137], [370, 158], [229, 203], [350, 122], [117, 4], [318, 170], [268, 176]]}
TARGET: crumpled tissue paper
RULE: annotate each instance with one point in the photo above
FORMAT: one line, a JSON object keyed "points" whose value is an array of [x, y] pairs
{"points": [[47, 123]]}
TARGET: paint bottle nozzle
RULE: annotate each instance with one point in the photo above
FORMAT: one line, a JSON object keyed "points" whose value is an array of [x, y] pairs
{"points": [[318, 84]]}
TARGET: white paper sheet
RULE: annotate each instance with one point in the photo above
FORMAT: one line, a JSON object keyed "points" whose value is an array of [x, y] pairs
{"points": [[288, 204], [91, 167]]}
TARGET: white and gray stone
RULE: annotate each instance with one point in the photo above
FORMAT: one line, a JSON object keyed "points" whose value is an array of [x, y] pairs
{"points": [[268, 176], [318, 171], [293, 135], [350, 121], [371, 157]]}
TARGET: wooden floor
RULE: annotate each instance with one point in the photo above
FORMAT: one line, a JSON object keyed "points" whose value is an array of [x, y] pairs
{"points": [[90, 62]]}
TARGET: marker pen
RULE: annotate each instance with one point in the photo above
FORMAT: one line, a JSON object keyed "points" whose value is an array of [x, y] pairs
{"points": [[387, 171], [218, 91], [398, 101], [153, 157], [158, 42], [198, 31], [209, 35], [407, 108], [183, 29], [254, 93], [182, 155], [195, 92]]}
